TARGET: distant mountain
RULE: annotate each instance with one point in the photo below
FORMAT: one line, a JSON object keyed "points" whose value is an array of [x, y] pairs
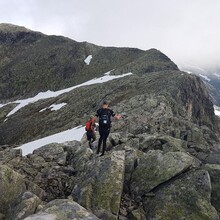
{"points": [[211, 78], [31, 62]]}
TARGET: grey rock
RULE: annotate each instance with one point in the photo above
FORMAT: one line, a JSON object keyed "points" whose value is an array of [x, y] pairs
{"points": [[214, 172], [100, 185], [25, 207], [157, 167], [2, 217], [185, 198], [12, 186], [52, 152], [63, 209]]}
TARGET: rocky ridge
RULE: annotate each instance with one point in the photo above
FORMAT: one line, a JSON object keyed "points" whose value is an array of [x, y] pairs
{"points": [[162, 159]]}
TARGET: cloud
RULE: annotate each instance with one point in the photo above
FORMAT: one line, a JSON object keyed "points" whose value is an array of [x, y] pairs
{"points": [[187, 31]]}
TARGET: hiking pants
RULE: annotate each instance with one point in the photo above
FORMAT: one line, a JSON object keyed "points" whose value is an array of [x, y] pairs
{"points": [[103, 138], [91, 136]]}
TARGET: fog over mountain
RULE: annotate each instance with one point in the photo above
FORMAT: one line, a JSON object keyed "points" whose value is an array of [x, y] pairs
{"points": [[187, 31]]}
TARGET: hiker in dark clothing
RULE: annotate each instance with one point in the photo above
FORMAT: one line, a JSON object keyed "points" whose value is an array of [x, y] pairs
{"points": [[104, 115]]}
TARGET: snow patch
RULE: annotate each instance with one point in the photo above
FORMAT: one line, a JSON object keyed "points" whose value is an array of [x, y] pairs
{"points": [[205, 77], [1, 105], [54, 107], [88, 59], [68, 135], [217, 110], [216, 74], [49, 94], [187, 71]]}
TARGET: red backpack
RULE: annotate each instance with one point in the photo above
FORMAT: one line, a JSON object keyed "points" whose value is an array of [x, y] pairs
{"points": [[88, 125]]}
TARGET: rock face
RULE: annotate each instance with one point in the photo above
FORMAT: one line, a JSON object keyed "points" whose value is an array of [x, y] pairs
{"points": [[15, 201], [155, 168], [185, 198], [214, 171], [12, 186], [100, 185]]}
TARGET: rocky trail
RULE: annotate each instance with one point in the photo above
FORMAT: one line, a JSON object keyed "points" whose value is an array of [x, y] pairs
{"points": [[70, 181]]}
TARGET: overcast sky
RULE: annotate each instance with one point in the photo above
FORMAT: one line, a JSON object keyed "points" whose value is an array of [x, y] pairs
{"points": [[188, 31]]}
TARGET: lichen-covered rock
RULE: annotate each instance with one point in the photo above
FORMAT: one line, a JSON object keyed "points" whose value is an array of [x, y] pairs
{"points": [[2, 217], [138, 214], [26, 206], [9, 154], [77, 154], [131, 157], [161, 142], [63, 209], [52, 152], [42, 216], [12, 186], [185, 198], [34, 188], [157, 167], [100, 185], [214, 172]]}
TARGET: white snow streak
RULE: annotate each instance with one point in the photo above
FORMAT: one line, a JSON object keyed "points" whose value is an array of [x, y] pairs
{"points": [[205, 77], [50, 94], [54, 107]]}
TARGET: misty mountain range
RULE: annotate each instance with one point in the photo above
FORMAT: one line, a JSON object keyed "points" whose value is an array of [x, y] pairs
{"points": [[211, 77]]}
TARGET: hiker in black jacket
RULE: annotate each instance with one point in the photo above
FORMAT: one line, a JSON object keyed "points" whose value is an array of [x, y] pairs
{"points": [[104, 115]]}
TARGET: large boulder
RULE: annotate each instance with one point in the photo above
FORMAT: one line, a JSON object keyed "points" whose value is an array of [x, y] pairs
{"points": [[214, 172], [184, 198], [12, 186], [26, 205], [131, 158], [157, 167], [52, 152], [63, 209], [77, 154], [161, 142], [100, 185], [9, 154]]}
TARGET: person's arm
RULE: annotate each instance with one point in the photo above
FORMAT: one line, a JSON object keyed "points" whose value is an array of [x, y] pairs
{"points": [[118, 116]]}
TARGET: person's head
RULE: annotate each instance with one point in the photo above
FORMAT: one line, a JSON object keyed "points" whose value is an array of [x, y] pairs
{"points": [[105, 104], [91, 116]]}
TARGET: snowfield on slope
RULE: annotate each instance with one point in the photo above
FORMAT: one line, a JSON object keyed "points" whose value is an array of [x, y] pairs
{"points": [[61, 137], [64, 136], [49, 94]]}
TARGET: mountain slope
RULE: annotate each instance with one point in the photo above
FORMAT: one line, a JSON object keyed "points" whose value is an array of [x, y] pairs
{"points": [[162, 158], [211, 78], [32, 62]]}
